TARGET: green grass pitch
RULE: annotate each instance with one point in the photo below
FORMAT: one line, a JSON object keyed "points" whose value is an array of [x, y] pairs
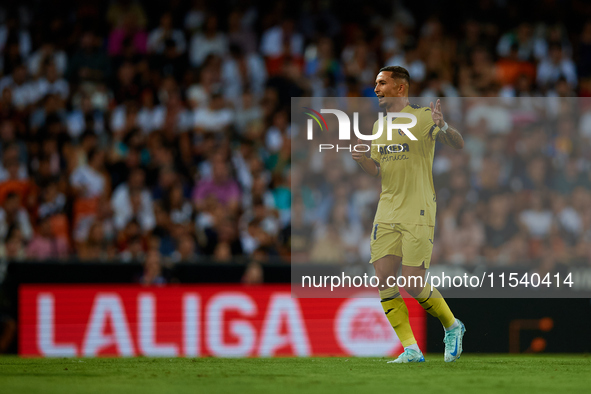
{"points": [[472, 374]]}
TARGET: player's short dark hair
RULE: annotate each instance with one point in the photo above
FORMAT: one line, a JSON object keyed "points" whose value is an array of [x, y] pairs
{"points": [[397, 72]]}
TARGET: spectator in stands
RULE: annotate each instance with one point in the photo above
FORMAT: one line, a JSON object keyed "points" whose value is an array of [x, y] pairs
{"points": [[127, 33], [88, 180], [567, 220], [140, 208], [13, 247], [536, 176], [241, 70], [361, 63], [222, 240], [500, 226], [126, 89], [51, 83], [328, 248], [186, 251], [172, 63], [90, 63], [13, 215], [153, 270], [44, 245], [11, 33], [322, 65], [151, 116], [240, 33], [463, 238], [555, 66], [409, 59], [221, 186], [48, 53], [53, 202], [195, 16], [282, 42], [168, 232], [47, 118], [88, 100], [134, 250], [96, 247], [165, 31], [119, 10], [523, 39], [9, 138], [103, 215], [216, 117], [538, 220], [181, 210], [121, 198], [22, 90], [210, 41], [253, 274], [511, 67], [85, 118], [14, 179]]}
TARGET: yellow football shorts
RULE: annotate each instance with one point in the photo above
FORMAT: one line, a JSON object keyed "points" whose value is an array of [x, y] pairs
{"points": [[413, 242]]}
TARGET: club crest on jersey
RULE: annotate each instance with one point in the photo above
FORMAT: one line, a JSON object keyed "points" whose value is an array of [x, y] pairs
{"points": [[400, 133]]}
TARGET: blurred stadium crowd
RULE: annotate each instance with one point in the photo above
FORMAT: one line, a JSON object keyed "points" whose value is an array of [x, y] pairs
{"points": [[517, 194], [161, 130]]}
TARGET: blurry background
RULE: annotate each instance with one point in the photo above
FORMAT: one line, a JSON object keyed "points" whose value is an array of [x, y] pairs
{"points": [[159, 132], [517, 195]]}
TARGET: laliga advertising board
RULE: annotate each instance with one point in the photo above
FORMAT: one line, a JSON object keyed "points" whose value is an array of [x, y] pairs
{"points": [[192, 321]]}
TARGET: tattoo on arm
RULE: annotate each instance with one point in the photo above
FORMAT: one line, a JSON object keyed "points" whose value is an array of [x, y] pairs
{"points": [[368, 163], [451, 138], [378, 167]]}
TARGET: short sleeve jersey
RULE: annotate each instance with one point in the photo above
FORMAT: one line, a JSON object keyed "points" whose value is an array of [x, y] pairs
{"points": [[408, 195]]}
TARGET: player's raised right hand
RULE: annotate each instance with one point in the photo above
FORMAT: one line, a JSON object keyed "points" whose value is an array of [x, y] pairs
{"points": [[359, 157]]}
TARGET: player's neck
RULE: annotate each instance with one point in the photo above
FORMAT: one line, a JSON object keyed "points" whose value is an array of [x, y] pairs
{"points": [[398, 105]]}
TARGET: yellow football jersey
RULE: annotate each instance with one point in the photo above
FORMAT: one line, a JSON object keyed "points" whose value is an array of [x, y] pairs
{"points": [[408, 195]]}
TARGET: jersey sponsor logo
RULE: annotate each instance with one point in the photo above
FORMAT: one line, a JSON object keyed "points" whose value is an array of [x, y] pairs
{"points": [[394, 158], [389, 152], [393, 148]]}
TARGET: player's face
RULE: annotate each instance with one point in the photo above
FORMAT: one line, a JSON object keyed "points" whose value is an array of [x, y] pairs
{"points": [[386, 86]]}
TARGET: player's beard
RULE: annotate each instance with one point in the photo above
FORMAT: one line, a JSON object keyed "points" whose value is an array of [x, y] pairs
{"points": [[386, 102], [389, 103]]}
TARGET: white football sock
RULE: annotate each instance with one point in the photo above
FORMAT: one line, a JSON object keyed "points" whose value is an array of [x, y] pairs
{"points": [[455, 325], [414, 346]]}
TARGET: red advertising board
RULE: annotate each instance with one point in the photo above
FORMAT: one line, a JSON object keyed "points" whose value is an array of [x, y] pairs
{"points": [[195, 320]]}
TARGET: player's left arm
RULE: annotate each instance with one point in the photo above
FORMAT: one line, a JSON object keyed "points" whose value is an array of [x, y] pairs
{"points": [[447, 134]]}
